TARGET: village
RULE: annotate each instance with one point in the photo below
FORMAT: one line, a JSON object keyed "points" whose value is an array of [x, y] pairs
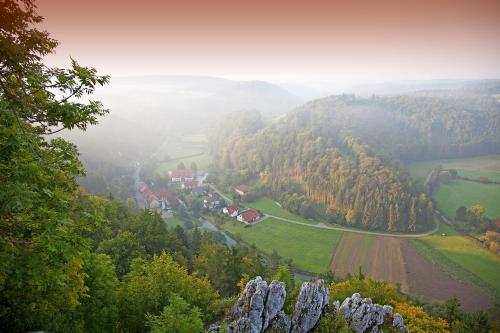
{"points": [[163, 199]]}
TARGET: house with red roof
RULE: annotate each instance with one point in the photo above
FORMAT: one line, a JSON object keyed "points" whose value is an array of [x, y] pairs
{"points": [[249, 216], [231, 210], [181, 175]]}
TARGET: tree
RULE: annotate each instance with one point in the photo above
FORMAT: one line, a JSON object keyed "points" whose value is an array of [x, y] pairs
{"points": [[41, 243], [99, 310], [351, 217], [461, 213], [177, 317], [149, 286], [194, 167], [181, 166], [122, 249], [418, 321], [283, 274], [477, 211]]}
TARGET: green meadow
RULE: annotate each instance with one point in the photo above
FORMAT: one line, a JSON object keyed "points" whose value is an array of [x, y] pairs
{"points": [[460, 192], [202, 161], [311, 249], [172, 222], [475, 167], [267, 205]]}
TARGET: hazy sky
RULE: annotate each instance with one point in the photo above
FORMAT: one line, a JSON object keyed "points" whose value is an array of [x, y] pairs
{"points": [[281, 40]]}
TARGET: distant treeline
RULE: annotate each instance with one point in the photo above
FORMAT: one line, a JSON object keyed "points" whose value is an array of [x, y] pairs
{"points": [[342, 158]]}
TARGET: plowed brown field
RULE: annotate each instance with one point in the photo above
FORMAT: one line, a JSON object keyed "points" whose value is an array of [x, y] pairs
{"points": [[395, 260]]}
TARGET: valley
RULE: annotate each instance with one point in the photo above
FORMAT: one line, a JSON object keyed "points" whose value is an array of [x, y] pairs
{"points": [[454, 193]]}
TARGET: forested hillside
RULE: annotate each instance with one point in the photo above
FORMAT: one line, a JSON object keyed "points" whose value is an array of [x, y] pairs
{"points": [[343, 157]]}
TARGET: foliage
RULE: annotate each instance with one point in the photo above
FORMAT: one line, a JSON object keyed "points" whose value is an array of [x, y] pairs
{"points": [[149, 286], [177, 317], [459, 321], [41, 245], [318, 163], [226, 268], [332, 321], [379, 291], [99, 310], [417, 320], [122, 249]]}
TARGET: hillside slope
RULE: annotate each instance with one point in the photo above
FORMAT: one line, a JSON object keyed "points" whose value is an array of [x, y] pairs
{"points": [[341, 156]]}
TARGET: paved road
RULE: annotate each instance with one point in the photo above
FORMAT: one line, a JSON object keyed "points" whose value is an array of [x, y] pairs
{"points": [[138, 196], [357, 231]]}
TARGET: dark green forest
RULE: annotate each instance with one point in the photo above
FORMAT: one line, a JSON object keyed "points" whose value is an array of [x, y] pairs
{"points": [[342, 158]]}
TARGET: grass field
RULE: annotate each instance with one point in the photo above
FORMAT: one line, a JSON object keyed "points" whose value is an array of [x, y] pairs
{"points": [[460, 192], [310, 248], [467, 254], [187, 149], [202, 160], [267, 205], [487, 166], [173, 222]]}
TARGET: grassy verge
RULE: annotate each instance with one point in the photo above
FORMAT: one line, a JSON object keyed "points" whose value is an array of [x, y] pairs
{"points": [[268, 206], [309, 248], [462, 258]]}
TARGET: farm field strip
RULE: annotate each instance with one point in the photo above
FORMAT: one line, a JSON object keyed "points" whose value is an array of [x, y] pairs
{"points": [[378, 257], [466, 254], [309, 248], [428, 280], [397, 261]]}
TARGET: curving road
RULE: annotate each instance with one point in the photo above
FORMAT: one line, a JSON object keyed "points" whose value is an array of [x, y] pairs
{"points": [[357, 231]]}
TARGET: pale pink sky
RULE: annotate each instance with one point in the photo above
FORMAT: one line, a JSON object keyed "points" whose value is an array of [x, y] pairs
{"points": [[281, 40]]}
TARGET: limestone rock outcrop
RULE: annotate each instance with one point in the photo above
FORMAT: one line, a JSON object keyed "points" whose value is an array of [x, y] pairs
{"points": [[257, 306], [313, 297], [260, 309], [368, 317]]}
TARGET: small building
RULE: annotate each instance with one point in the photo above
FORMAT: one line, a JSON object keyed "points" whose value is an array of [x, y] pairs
{"points": [[212, 202], [199, 191], [182, 175], [189, 184], [231, 210], [249, 216], [242, 189]]}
